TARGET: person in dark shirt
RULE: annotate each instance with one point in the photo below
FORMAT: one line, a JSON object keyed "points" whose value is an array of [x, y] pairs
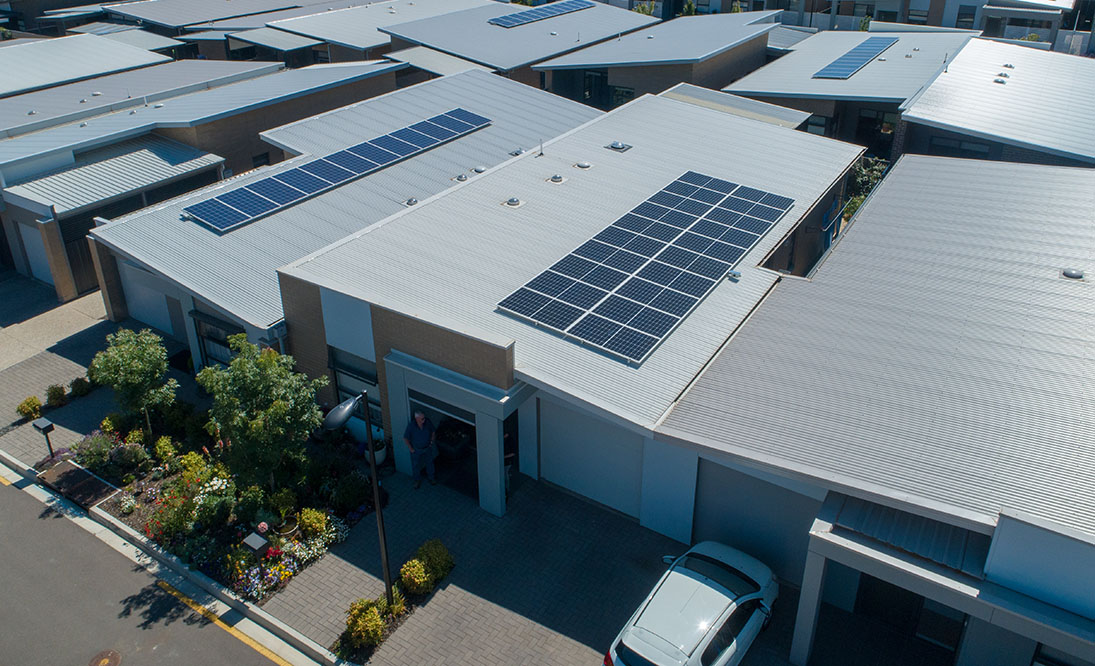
{"points": [[419, 437]]}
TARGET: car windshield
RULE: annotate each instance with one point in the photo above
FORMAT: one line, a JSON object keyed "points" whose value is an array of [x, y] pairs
{"points": [[629, 657], [725, 575]]}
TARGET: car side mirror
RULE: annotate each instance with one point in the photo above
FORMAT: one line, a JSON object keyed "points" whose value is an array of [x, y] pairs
{"points": [[668, 559]]}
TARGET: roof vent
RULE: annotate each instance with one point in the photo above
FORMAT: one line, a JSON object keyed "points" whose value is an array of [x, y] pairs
{"points": [[619, 146], [517, 151], [133, 112], [83, 101], [157, 106], [1008, 65], [999, 81], [479, 169], [650, 36], [83, 124], [733, 275], [557, 178], [96, 93], [462, 177], [32, 112], [881, 60], [513, 202], [583, 165], [1072, 273], [1004, 75], [908, 55], [553, 33], [916, 48], [410, 202]]}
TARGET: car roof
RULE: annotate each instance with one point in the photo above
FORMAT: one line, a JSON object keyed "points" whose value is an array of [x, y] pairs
{"points": [[683, 609]]}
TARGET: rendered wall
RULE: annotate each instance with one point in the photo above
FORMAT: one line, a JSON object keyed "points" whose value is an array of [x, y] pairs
{"points": [[984, 643]]}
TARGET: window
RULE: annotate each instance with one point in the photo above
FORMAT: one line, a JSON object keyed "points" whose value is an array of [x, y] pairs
{"points": [[352, 375], [918, 16], [958, 148], [260, 160], [888, 17], [733, 580], [729, 632], [863, 9], [818, 125], [442, 407], [213, 338], [629, 657], [621, 95], [966, 14]]}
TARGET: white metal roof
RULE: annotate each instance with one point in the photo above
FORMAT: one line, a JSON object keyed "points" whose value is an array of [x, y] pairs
{"points": [[254, 21], [786, 37], [358, 27], [237, 271], [188, 110], [892, 77], [434, 62], [69, 102], [108, 173], [467, 34], [180, 13], [937, 359], [143, 39], [206, 36], [101, 28], [49, 62], [279, 40], [684, 40], [738, 106], [1047, 104], [469, 250]]}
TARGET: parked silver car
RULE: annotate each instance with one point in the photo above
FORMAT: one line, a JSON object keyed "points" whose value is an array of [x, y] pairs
{"points": [[705, 611]]}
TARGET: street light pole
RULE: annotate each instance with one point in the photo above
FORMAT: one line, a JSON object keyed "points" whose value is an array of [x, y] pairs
{"points": [[337, 418]]}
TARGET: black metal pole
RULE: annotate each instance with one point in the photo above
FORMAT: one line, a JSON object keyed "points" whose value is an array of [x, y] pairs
{"points": [[376, 501], [48, 445]]}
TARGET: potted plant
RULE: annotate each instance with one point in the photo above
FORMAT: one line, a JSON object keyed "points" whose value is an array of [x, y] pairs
{"points": [[285, 503]]}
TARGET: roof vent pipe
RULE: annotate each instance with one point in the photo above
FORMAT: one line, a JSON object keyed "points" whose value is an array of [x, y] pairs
{"points": [[583, 165], [479, 169], [412, 201], [999, 81], [513, 201], [557, 178], [1008, 65], [462, 177], [1073, 273]]}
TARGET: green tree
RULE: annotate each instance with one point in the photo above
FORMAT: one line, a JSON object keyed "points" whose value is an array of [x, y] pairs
{"points": [[646, 8], [689, 8], [134, 365], [262, 409], [736, 7], [865, 23]]}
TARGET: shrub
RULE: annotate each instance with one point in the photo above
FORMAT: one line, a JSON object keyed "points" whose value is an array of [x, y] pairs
{"points": [[193, 463], [114, 424], [415, 577], [128, 479], [55, 395], [135, 437], [93, 451], [398, 605], [436, 558], [127, 504], [364, 625], [853, 205], [352, 491], [164, 449], [312, 522], [284, 502], [31, 408], [80, 387], [128, 457], [252, 500]]}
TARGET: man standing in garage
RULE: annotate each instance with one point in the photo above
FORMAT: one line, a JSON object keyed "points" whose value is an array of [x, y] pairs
{"points": [[419, 437]]}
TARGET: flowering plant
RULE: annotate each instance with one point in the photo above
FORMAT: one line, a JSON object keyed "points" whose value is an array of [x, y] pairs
{"points": [[262, 527]]}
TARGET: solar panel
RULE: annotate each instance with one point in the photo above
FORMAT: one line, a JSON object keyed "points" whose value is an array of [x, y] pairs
{"points": [[540, 13], [238, 206], [627, 288], [855, 59]]}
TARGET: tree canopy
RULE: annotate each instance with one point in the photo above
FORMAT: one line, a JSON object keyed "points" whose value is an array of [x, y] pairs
{"points": [[134, 365], [262, 410]]}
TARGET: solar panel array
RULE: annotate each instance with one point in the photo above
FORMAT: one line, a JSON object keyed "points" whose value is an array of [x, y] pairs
{"points": [[243, 204], [540, 13], [854, 60], [624, 290]]}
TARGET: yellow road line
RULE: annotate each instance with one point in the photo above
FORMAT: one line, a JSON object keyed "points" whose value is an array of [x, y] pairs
{"points": [[236, 633], [4, 482]]}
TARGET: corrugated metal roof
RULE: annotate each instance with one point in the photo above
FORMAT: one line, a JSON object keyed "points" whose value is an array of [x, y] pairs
{"points": [[1060, 5], [66, 103], [890, 78], [1047, 104], [264, 20], [49, 62], [180, 13], [469, 251], [101, 175], [19, 41], [936, 359], [101, 28], [434, 62], [467, 34], [206, 36], [279, 40], [189, 110], [358, 28], [786, 37], [143, 39], [684, 40], [236, 271], [738, 106]]}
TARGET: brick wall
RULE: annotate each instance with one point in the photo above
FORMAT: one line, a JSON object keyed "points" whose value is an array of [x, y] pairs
{"points": [[306, 336]]}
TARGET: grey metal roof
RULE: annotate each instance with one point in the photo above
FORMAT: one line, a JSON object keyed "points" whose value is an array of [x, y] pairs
{"points": [[101, 28], [108, 173], [785, 37], [103, 94], [1060, 5], [206, 36], [254, 21], [20, 40], [738, 106], [469, 250], [237, 271], [1046, 105], [181, 13], [684, 40], [467, 34], [188, 110], [49, 62], [143, 39], [937, 360], [894, 79], [279, 40], [358, 27], [434, 62]]}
